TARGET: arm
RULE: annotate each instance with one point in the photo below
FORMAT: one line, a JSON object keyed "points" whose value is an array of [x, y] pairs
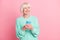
{"points": [[19, 32], [35, 31]]}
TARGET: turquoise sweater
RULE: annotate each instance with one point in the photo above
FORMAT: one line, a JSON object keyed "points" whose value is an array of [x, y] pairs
{"points": [[27, 34]]}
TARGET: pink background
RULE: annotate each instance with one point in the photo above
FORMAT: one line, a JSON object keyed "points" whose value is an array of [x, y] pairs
{"points": [[47, 11]]}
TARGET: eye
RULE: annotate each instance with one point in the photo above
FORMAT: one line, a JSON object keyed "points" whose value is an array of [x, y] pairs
{"points": [[29, 7]]}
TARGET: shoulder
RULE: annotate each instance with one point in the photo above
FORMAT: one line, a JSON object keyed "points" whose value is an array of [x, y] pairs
{"points": [[34, 17]]}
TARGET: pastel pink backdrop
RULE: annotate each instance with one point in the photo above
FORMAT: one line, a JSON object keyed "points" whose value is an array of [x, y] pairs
{"points": [[47, 11]]}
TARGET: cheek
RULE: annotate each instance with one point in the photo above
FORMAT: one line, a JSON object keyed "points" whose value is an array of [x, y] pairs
{"points": [[26, 10]]}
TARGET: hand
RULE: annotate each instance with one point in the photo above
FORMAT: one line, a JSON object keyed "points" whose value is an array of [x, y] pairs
{"points": [[29, 26], [24, 28]]}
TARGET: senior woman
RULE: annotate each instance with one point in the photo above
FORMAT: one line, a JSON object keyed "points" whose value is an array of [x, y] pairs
{"points": [[27, 27]]}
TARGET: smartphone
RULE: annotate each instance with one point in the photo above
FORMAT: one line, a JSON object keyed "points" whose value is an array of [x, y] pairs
{"points": [[28, 22]]}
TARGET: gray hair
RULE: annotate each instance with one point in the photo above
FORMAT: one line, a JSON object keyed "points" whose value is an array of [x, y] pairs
{"points": [[25, 4]]}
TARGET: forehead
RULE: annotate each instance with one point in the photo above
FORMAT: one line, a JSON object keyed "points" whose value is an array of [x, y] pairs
{"points": [[25, 5]]}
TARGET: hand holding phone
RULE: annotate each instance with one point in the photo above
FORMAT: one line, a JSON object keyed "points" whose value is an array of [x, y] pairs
{"points": [[29, 26]]}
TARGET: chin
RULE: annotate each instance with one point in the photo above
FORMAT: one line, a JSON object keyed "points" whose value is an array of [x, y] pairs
{"points": [[26, 13]]}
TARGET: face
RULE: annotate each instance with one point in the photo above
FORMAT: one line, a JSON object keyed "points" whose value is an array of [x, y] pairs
{"points": [[26, 10]]}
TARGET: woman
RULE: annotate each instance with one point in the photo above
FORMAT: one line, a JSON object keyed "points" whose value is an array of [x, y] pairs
{"points": [[27, 27]]}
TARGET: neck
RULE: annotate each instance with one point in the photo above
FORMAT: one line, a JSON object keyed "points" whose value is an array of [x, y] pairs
{"points": [[26, 16]]}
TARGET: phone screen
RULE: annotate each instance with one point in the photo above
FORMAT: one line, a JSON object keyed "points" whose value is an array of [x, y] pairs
{"points": [[28, 22]]}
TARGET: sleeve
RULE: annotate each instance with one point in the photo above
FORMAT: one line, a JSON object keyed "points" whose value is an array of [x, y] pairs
{"points": [[19, 32], [35, 32]]}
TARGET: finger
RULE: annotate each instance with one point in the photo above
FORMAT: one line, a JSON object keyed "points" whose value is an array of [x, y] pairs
{"points": [[24, 28]]}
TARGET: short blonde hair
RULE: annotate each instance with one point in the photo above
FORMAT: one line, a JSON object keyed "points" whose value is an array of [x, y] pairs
{"points": [[25, 4]]}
